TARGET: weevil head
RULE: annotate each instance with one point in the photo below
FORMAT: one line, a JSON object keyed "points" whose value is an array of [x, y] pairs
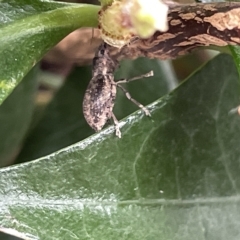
{"points": [[102, 62], [102, 51]]}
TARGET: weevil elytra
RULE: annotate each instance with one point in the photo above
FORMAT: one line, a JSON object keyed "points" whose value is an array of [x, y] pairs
{"points": [[99, 98]]}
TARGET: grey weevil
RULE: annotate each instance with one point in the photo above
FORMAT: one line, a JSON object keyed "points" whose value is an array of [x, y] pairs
{"points": [[99, 98]]}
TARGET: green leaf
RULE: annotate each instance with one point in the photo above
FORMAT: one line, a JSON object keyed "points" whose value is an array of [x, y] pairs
{"points": [[235, 50], [28, 29], [172, 176], [63, 122], [15, 117]]}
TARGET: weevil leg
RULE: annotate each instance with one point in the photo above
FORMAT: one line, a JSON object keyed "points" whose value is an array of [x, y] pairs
{"points": [[134, 101], [149, 74], [118, 132]]}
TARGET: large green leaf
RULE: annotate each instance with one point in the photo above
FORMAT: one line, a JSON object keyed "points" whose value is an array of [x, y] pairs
{"points": [[28, 29], [15, 117], [174, 176], [63, 122]]}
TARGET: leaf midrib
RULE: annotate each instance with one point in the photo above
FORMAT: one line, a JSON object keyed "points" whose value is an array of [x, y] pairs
{"points": [[80, 203]]}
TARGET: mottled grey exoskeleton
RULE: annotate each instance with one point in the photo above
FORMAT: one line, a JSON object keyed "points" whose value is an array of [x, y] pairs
{"points": [[101, 92]]}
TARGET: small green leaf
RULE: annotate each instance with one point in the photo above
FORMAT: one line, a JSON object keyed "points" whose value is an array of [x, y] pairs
{"points": [[62, 123], [172, 176], [28, 29], [235, 50], [15, 117]]}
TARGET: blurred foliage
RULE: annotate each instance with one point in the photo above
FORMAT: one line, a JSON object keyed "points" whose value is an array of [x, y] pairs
{"points": [[172, 176]]}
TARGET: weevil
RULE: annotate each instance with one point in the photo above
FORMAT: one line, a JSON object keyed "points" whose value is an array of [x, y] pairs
{"points": [[99, 98]]}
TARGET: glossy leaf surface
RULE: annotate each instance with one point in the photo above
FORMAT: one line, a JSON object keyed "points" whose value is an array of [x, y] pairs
{"points": [[174, 176]]}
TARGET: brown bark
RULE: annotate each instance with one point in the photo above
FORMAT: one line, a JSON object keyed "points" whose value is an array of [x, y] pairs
{"points": [[190, 26]]}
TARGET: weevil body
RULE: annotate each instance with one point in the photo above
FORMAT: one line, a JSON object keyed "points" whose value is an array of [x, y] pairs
{"points": [[101, 92]]}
